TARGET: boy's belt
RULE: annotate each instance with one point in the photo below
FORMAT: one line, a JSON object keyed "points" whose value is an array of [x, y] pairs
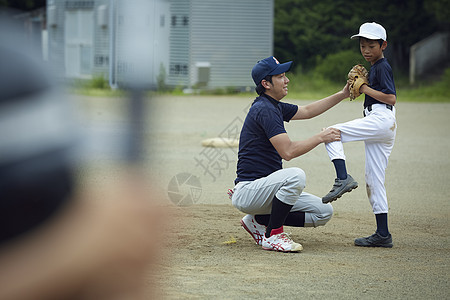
{"points": [[369, 108], [388, 106]]}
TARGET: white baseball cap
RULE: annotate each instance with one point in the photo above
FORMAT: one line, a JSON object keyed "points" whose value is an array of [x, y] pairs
{"points": [[372, 31]]}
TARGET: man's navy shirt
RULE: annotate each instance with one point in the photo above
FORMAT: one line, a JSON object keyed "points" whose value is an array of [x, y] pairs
{"points": [[380, 79], [257, 157]]}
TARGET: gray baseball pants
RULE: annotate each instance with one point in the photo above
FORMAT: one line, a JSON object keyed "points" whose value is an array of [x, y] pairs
{"points": [[255, 197]]}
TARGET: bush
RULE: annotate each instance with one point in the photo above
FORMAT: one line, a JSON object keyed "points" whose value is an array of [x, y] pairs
{"points": [[98, 82], [427, 91], [335, 66], [304, 86], [161, 79], [445, 81]]}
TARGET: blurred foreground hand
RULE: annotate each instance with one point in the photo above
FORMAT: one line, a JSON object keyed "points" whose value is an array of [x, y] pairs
{"points": [[101, 246]]}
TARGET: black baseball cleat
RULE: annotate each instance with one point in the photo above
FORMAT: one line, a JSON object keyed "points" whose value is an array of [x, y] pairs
{"points": [[375, 240], [340, 187]]}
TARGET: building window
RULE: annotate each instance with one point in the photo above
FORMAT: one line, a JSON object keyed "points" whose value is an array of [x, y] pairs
{"points": [[174, 20], [79, 4], [185, 21], [101, 60], [179, 69]]}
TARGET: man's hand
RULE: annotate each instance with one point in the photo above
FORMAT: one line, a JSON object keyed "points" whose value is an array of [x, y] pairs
{"points": [[346, 90], [329, 135]]}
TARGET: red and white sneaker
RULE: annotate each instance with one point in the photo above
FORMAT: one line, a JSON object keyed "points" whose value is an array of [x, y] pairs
{"points": [[230, 193], [281, 242], [255, 229]]}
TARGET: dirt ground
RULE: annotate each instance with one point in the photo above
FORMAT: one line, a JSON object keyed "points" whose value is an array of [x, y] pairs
{"points": [[202, 263]]}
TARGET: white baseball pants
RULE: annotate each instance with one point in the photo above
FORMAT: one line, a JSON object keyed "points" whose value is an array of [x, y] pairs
{"points": [[377, 129], [255, 197]]}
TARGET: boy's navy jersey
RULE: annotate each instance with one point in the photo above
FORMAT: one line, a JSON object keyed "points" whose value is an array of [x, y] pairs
{"points": [[380, 79], [257, 157]]}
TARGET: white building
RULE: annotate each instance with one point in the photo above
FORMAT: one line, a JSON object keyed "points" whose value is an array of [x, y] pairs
{"points": [[212, 43]]}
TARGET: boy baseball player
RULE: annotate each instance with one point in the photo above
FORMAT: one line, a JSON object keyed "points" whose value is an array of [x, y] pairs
{"points": [[377, 129], [270, 195]]}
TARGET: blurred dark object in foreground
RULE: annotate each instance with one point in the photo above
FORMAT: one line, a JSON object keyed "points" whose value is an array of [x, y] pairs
{"points": [[37, 137], [59, 240]]}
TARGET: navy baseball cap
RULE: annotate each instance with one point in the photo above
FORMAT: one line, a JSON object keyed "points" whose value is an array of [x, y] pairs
{"points": [[269, 66]]}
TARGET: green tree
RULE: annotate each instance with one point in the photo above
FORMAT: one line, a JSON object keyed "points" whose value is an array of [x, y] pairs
{"points": [[23, 4], [307, 31], [441, 10], [406, 22]]}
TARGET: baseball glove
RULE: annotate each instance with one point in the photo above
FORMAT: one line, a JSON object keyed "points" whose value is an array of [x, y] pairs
{"points": [[357, 76]]}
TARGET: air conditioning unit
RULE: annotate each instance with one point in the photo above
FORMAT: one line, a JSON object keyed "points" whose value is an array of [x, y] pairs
{"points": [[203, 73]]}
